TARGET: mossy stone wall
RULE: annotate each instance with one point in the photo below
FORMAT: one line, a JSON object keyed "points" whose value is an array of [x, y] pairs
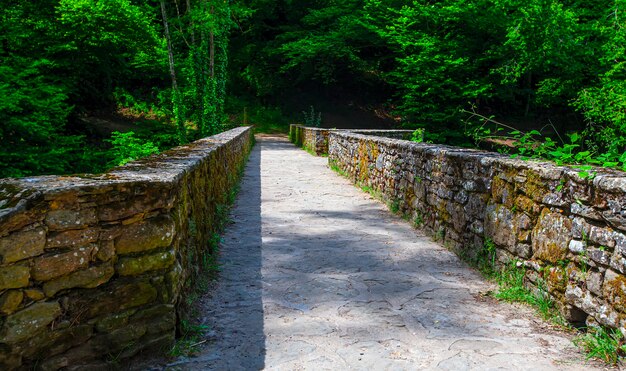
{"points": [[92, 267], [568, 232], [316, 139]]}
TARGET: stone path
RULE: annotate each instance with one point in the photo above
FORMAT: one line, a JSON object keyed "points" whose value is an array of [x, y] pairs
{"points": [[317, 275]]}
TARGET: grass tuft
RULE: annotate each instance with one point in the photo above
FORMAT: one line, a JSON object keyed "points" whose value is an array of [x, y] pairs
{"points": [[602, 344]]}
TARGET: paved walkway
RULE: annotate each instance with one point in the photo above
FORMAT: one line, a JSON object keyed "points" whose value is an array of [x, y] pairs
{"points": [[319, 276]]}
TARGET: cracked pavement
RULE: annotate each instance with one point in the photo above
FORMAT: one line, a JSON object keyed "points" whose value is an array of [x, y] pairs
{"points": [[317, 275]]}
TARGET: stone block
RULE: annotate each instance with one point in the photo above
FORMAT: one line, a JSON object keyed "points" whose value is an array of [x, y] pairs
{"points": [[10, 301], [55, 341], [87, 278], [527, 205], [22, 245], [499, 225], [114, 321], [586, 211], [29, 321], [160, 318], [614, 290], [580, 228], [618, 262], [551, 236], [52, 266], [594, 282], [59, 220], [14, 277], [132, 266], [76, 356], [9, 360], [145, 235], [34, 294], [577, 247], [155, 198], [118, 339], [599, 256], [502, 192], [106, 251], [602, 236], [115, 297], [72, 238]]}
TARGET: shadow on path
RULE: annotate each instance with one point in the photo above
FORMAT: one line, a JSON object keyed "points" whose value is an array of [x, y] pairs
{"points": [[234, 309]]}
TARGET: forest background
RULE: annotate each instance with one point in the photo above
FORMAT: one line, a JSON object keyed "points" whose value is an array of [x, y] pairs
{"points": [[90, 84]]}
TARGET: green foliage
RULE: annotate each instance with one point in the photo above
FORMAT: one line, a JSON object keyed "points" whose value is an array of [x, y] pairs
{"points": [[189, 339], [64, 60], [311, 119], [418, 135], [605, 345], [418, 221], [394, 206], [127, 147], [532, 144]]}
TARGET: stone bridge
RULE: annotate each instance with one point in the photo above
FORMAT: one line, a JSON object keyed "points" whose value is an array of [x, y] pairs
{"points": [[315, 274]]}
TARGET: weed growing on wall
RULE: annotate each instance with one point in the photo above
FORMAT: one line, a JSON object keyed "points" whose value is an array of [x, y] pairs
{"points": [[189, 340], [418, 220], [606, 345]]}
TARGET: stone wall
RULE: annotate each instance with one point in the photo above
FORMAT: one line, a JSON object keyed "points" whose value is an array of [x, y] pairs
{"points": [[92, 267], [569, 233], [316, 139]]}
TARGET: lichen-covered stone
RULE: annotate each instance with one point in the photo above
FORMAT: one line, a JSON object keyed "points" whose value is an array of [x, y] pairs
{"points": [[614, 290], [55, 341], [8, 359], [26, 323], [133, 266], [551, 236], [599, 256], [59, 220], [114, 321], [72, 238], [161, 318], [118, 339], [86, 278], [117, 297], [577, 247], [499, 225], [52, 266], [618, 262], [145, 235], [10, 301], [14, 277], [106, 251], [602, 236], [75, 356], [594, 282], [22, 245], [34, 294]]}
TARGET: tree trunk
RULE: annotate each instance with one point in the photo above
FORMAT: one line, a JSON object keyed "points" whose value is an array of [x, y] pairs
{"points": [[176, 98]]}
